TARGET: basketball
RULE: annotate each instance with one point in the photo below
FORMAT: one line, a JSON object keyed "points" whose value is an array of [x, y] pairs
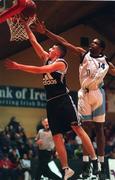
{"points": [[30, 9]]}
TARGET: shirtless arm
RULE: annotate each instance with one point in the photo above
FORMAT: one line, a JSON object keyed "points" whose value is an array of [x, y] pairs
{"points": [[35, 69], [111, 69], [40, 27], [42, 54]]}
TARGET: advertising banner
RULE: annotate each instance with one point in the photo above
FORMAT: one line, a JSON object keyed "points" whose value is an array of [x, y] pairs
{"points": [[22, 97]]}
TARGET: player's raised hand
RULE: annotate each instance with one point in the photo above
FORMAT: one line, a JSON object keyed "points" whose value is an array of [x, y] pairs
{"points": [[11, 64], [39, 27]]}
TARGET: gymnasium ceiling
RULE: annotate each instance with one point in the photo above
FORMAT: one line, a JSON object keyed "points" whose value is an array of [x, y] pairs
{"points": [[63, 15]]}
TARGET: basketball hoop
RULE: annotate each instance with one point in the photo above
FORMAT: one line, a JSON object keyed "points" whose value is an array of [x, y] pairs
{"points": [[12, 15], [17, 29]]}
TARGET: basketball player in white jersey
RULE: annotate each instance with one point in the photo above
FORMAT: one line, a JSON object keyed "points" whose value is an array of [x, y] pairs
{"points": [[91, 103]]}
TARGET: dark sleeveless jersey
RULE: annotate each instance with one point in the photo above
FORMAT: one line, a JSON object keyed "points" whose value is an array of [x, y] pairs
{"points": [[54, 82]]}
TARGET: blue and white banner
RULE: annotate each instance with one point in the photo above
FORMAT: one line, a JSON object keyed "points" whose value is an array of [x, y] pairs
{"points": [[22, 97]]}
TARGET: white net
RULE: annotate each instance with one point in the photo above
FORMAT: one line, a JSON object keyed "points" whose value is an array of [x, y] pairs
{"points": [[17, 29]]}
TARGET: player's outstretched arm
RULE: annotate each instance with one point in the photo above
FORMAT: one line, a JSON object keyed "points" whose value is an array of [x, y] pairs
{"points": [[111, 69], [35, 69], [16, 66], [40, 27], [42, 54], [73, 48]]}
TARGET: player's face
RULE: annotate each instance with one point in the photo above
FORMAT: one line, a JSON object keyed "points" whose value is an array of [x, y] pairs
{"points": [[95, 46], [54, 52]]}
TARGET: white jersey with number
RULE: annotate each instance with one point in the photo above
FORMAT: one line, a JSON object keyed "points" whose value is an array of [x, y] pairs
{"points": [[92, 71], [91, 97]]}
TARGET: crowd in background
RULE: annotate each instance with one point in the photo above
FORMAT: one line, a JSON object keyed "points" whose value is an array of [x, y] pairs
{"points": [[17, 152], [19, 157]]}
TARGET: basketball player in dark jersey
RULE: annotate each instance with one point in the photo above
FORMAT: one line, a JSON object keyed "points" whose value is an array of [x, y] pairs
{"points": [[61, 111]]}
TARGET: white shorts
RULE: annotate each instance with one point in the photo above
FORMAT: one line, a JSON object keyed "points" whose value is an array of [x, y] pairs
{"points": [[91, 105]]}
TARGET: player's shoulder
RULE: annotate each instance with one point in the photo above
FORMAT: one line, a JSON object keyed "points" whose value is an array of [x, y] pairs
{"points": [[83, 56], [105, 58], [41, 130], [64, 61], [61, 60]]}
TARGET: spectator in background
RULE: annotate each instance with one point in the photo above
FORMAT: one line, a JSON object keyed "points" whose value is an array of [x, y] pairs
{"points": [[45, 143], [5, 142], [8, 169], [13, 125], [25, 164], [70, 143], [109, 147], [14, 155], [78, 152], [31, 146], [112, 154]]}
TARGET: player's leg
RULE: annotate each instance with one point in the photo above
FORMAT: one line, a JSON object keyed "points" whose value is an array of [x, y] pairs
{"points": [[59, 142], [89, 151], [58, 121], [85, 110], [61, 150], [85, 103], [87, 126], [100, 138], [99, 119]]}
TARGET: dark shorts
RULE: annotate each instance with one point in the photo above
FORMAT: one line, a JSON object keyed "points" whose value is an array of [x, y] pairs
{"points": [[61, 113]]}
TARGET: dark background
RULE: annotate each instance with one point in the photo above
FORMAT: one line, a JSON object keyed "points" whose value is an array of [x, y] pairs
{"points": [[61, 16]]}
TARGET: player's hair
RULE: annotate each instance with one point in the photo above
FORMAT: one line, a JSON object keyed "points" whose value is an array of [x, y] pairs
{"points": [[62, 48], [102, 43]]}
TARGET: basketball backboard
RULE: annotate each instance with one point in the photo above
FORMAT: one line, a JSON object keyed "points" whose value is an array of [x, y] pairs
{"points": [[6, 4], [10, 8]]}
